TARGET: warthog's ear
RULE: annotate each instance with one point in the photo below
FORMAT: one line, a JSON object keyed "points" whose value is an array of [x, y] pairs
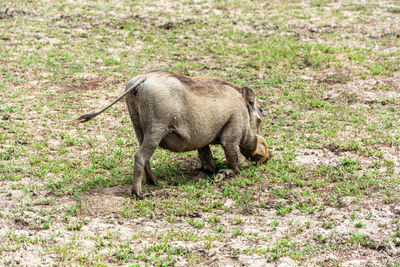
{"points": [[249, 96]]}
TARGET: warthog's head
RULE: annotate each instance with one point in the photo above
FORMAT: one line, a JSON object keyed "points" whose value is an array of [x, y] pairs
{"points": [[256, 152]]}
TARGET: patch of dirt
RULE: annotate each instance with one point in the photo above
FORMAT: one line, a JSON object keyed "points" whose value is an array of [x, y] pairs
{"points": [[28, 256], [303, 29], [392, 154], [323, 157], [92, 84], [333, 156], [103, 207], [75, 17], [6, 202], [335, 76], [108, 201], [170, 25], [9, 13], [368, 91]]}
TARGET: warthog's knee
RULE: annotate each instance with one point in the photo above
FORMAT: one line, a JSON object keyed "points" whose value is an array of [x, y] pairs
{"points": [[139, 160]]}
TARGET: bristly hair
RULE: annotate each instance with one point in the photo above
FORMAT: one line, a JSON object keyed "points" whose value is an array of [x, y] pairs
{"points": [[87, 117]]}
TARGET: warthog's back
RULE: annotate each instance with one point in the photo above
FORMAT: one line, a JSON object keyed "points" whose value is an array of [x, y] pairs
{"points": [[195, 109]]}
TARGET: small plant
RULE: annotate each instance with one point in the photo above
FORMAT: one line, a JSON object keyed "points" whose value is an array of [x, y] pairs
{"points": [[196, 223], [320, 238], [237, 232], [171, 219], [218, 229], [246, 203], [214, 219], [207, 244], [396, 239], [362, 239], [46, 224], [359, 225], [74, 227], [238, 220], [328, 224], [74, 209], [274, 223], [100, 242], [283, 210]]}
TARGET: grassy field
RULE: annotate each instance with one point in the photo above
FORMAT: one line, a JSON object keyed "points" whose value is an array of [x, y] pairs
{"points": [[327, 73]]}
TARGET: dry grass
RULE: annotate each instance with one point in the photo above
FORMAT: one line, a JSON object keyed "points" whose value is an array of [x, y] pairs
{"points": [[326, 71]]}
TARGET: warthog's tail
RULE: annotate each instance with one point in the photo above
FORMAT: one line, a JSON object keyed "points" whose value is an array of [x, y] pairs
{"points": [[133, 87]]}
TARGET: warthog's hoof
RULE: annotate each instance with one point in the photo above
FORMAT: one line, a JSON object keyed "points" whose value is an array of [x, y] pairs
{"points": [[222, 174], [136, 196], [205, 170], [142, 196], [137, 191], [151, 180]]}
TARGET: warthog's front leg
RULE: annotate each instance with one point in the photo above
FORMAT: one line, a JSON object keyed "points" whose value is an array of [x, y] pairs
{"points": [[207, 162], [142, 156], [232, 154], [230, 140]]}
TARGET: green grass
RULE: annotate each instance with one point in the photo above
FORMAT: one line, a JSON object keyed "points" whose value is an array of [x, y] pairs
{"points": [[326, 72]]}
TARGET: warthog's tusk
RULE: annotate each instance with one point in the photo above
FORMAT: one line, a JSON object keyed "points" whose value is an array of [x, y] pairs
{"points": [[261, 149]]}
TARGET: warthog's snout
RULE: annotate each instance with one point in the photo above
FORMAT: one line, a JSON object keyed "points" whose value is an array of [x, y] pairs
{"points": [[260, 154]]}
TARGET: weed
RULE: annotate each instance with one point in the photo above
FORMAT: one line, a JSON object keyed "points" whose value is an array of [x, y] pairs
{"points": [[196, 223]]}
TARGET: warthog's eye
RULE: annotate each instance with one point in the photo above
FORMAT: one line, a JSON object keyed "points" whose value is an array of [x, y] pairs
{"points": [[261, 110]]}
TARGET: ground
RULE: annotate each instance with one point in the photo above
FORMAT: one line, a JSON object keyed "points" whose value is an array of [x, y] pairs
{"points": [[327, 73]]}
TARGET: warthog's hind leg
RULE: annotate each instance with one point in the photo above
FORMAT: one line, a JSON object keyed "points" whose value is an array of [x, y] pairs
{"points": [[150, 177], [207, 162], [150, 143]]}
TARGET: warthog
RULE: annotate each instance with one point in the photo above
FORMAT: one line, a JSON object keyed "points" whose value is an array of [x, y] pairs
{"points": [[181, 113]]}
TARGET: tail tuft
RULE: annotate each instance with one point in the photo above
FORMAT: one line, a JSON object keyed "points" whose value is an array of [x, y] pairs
{"points": [[87, 117]]}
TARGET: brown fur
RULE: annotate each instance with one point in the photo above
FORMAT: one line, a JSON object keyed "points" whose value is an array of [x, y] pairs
{"points": [[181, 113], [201, 85]]}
